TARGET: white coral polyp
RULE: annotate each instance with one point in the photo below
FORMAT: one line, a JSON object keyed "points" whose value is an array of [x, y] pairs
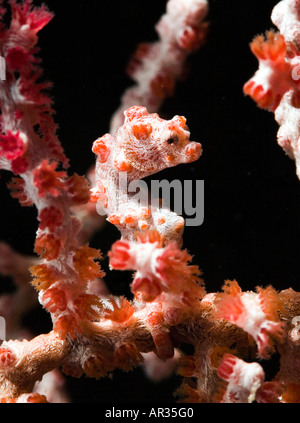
{"points": [[255, 322], [145, 256], [244, 382], [288, 117]]}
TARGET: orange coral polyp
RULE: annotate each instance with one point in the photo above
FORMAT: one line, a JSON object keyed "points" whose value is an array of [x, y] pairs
{"points": [[127, 356], [150, 236], [84, 263], [231, 309], [67, 325], [272, 47], [101, 149], [87, 306], [264, 99], [274, 76], [232, 287], [78, 189], [44, 277], [148, 288], [173, 266], [271, 304], [18, 191], [55, 300], [48, 180], [256, 313], [122, 310], [98, 366], [47, 246]]}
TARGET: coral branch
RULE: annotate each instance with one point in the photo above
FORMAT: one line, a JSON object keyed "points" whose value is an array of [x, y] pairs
{"points": [[38, 156], [94, 333], [32, 360], [275, 86], [156, 67]]}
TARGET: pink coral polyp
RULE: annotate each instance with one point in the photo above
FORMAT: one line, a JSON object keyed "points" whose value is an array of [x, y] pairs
{"points": [[120, 255], [7, 357], [256, 313], [48, 180], [12, 146], [34, 18], [50, 217], [244, 379]]}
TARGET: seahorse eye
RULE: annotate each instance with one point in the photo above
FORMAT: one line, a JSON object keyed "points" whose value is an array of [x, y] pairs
{"points": [[172, 140]]}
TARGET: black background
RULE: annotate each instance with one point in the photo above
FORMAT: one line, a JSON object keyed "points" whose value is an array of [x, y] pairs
{"points": [[251, 222]]}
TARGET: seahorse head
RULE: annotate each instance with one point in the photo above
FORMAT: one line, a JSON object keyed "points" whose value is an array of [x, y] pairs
{"points": [[151, 144]]}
